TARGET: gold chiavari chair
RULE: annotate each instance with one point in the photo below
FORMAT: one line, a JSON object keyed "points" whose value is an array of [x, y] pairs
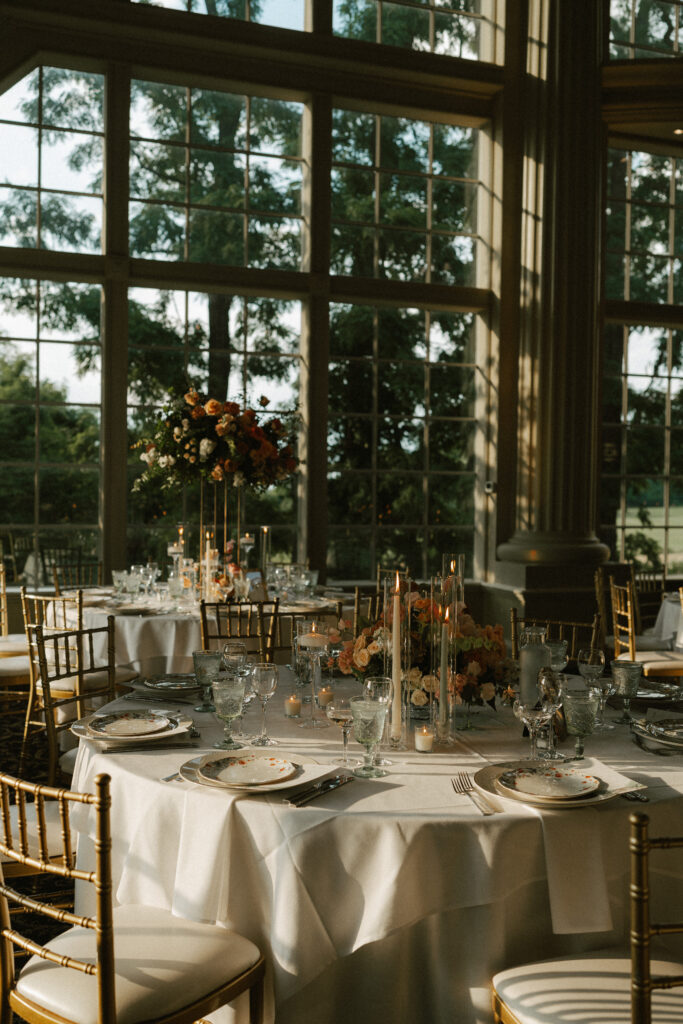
{"points": [[610, 984], [577, 634], [131, 963], [255, 622], [77, 577], [648, 591], [71, 675], [655, 663]]}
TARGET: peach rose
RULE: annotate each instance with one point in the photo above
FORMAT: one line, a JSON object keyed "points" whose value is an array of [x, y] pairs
{"points": [[213, 407]]}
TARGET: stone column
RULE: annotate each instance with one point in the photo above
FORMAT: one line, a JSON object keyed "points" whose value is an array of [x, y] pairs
{"points": [[558, 364]]}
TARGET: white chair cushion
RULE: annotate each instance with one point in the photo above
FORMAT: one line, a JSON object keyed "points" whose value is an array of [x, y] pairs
{"points": [[17, 665], [13, 643], [91, 680], [590, 989], [162, 963], [52, 824]]}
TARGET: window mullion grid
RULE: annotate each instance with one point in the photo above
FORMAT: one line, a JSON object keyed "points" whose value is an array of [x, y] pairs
{"points": [[187, 169]]}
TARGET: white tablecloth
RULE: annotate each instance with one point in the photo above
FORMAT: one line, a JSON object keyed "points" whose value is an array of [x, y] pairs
{"points": [[669, 623], [387, 899]]}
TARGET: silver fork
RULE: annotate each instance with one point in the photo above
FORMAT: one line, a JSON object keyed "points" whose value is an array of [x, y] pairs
{"points": [[462, 783]]}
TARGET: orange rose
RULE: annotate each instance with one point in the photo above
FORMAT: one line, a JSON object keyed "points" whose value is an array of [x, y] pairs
{"points": [[191, 397], [213, 408], [198, 412]]}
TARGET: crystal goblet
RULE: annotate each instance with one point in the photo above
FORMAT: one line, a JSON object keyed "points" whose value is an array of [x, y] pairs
{"points": [[626, 676], [228, 697], [580, 711], [207, 665], [339, 711], [591, 663], [369, 714]]}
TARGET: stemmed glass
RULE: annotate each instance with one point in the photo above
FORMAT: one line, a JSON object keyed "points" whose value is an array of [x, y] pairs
{"points": [[551, 686], [339, 711], [580, 712], [626, 676], [591, 662], [228, 696], [558, 654], [533, 718], [264, 683], [207, 665], [369, 714]]}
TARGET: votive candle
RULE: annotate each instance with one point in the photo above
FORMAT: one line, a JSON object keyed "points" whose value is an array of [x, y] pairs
{"points": [[424, 739], [293, 706]]}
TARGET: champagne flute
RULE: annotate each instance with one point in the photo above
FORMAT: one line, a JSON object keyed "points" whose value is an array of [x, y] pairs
{"points": [[580, 711], [369, 714], [339, 711], [591, 662], [551, 687], [228, 697], [264, 683], [533, 718]]}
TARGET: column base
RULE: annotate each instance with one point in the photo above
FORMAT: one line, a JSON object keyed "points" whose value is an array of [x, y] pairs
{"points": [[538, 548]]}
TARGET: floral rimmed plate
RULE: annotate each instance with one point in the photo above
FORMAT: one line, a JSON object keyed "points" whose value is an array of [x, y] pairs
{"points": [[485, 779], [307, 771], [128, 723], [177, 725], [547, 783], [247, 770]]}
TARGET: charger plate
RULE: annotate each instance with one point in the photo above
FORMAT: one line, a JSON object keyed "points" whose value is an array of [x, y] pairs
{"points": [[124, 724], [307, 770], [664, 737], [176, 725], [169, 683], [485, 779]]}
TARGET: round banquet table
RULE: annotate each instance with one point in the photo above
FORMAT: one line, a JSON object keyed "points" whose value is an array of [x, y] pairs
{"points": [[154, 639], [387, 899]]}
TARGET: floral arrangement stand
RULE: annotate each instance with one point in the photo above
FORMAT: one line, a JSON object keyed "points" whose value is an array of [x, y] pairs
{"points": [[198, 438]]}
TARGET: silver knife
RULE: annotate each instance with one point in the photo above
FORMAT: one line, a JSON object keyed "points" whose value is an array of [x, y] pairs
{"points": [[320, 788], [130, 748]]}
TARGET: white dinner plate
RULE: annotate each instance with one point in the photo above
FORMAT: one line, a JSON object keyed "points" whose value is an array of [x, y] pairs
{"points": [[177, 725], [547, 782], [244, 769], [663, 691], [124, 724], [307, 770], [644, 729], [485, 779], [670, 729]]}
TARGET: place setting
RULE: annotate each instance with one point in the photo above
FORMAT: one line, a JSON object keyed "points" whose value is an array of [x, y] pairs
{"points": [[137, 729]]}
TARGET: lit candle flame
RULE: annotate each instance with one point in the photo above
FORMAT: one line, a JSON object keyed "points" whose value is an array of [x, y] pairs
{"points": [[397, 583]]}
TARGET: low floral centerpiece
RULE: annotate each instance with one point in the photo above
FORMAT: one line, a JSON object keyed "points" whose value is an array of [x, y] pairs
{"points": [[197, 437]]}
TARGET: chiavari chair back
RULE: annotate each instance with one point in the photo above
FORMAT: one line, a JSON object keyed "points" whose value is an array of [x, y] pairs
{"points": [[76, 576], [11, 644], [366, 608], [255, 622], [648, 591], [125, 963], [655, 661], [577, 634]]}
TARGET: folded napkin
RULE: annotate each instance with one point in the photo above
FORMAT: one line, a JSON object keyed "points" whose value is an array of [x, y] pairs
{"points": [[577, 884]]}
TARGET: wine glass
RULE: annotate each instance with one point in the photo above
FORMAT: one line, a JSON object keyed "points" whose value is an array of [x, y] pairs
{"points": [[264, 683], [369, 714], [533, 718], [234, 655], [551, 685], [626, 676], [207, 665], [228, 697], [591, 662], [581, 708], [339, 711]]}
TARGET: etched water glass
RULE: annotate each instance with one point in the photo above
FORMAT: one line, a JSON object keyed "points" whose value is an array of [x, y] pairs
{"points": [[228, 698], [626, 676], [581, 708], [369, 714], [207, 665]]}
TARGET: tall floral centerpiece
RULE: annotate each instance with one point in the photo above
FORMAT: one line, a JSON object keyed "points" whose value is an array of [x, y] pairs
{"points": [[198, 438]]}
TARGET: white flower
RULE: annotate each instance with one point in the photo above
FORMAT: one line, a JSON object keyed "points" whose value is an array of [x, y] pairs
{"points": [[186, 425], [206, 446], [166, 460], [418, 698], [238, 479], [414, 676], [430, 683], [148, 456], [177, 433], [487, 691]]}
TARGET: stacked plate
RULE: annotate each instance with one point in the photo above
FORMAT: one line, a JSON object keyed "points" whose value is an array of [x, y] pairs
{"points": [[662, 734], [171, 685], [132, 726], [251, 771], [542, 785]]}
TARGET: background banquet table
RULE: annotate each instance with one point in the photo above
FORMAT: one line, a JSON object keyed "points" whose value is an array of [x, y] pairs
{"points": [[391, 898], [154, 639]]}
